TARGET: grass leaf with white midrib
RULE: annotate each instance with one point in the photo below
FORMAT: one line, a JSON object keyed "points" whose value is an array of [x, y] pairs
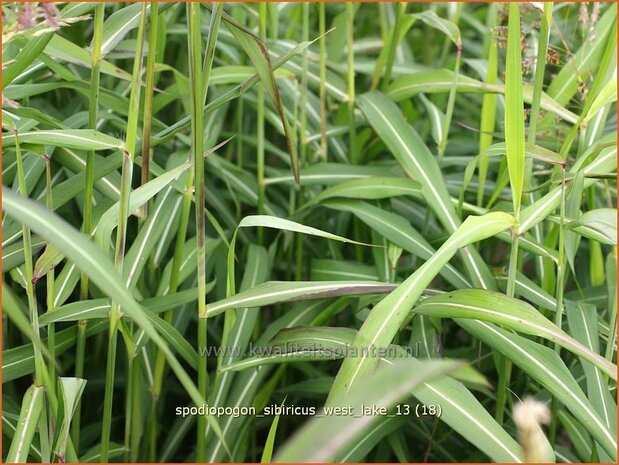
{"points": [[418, 163], [506, 311], [322, 439], [386, 317], [99, 268], [546, 367]]}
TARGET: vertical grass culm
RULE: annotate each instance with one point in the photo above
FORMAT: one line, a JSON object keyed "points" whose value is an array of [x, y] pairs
{"points": [[297, 233], [128, 154]]}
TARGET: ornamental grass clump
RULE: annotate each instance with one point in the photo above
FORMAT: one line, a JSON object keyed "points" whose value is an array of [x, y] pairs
{"points": [[288, 232]]}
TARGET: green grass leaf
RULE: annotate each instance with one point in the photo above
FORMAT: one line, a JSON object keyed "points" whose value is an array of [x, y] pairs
{"points": [[385, 318], [267, 221], [418, 163], [599, 224], [81, 139], [258, 54], [65, 50], [514, 109], [442, 80], [10, 305], [32, 407], [372, 188], [380, 162], [100, 270], [512, 313], [397, 230], [547, 368], [583, 322], [269, 445], [322, 439], [465, 414], [281, 291], [447, 27], [69, 392]]}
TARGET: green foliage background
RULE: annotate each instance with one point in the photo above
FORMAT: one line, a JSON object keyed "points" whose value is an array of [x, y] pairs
{"points": [[185, 182]]}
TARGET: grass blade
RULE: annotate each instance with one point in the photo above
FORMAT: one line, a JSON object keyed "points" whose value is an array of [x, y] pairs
{"points": [[511, 313], [333, 434], [69, 392], [546, 367], [282, 291], [514, 113], [81, 139], [101, 272], [32, 407], [385, 319], [418, 163]]}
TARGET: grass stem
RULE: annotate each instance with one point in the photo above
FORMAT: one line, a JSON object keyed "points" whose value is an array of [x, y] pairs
{"points": [[121, 234], [451, 101], [305, 13], [322, 30], [260, 152], [153, 24], [350, 80], [197, 142], [394, 41], [93, 107], [488, 109], [41, 374]]}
